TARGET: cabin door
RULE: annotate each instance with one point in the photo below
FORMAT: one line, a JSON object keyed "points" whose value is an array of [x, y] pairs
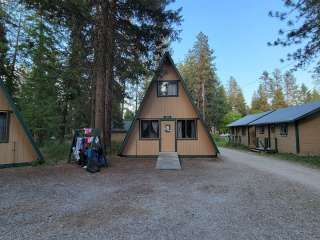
{"points": [[168, 136]]}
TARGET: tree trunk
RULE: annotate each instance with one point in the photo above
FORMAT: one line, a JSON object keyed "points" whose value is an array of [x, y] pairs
{"points": [[104, 49]]}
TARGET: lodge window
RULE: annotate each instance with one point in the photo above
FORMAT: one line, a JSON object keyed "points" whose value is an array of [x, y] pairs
{"points": [[243, 130], [168, 88], [261, 130], [149, 129], [284, 130], [4, 127], [186, 129]]}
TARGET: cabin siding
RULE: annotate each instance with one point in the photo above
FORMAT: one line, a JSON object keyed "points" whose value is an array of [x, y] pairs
{"points": [[309, 135], [176, 107], [286, 144], [238, 135], [18, 149]]}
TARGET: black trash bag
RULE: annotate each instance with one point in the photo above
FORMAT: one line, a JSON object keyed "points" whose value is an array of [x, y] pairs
{"points": [[93, 164]]}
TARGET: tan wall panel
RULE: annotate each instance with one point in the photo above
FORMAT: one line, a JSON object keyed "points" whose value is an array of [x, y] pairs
{"points": [[135, 146], [286, 144], [201, 146], [157, 107], [309, 135], [168, 73]]}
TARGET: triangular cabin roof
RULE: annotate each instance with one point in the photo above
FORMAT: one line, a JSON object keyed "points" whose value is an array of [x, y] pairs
{"points": [[20, 119], [167, 58]]}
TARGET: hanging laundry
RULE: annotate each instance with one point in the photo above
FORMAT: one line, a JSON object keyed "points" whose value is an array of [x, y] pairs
{"points": [[87, 150]]}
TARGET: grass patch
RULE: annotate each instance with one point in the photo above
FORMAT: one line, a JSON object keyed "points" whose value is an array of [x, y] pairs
{"points": [[55, 152], [220, 141], [312, 161], [115, 148]]}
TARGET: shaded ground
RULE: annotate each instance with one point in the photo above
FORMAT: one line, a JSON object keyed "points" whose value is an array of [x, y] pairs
{"points": [[222, 199]]}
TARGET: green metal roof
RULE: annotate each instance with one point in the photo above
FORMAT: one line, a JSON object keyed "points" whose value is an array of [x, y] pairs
{"points": [[20, 120]]}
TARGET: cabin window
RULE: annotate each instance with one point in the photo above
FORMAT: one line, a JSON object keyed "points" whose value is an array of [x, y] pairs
{"points": [[167, 88], [186, 129], [243, 131], [284, 130], [4, 127], [232, 131], [261, 130], [149, 129]]}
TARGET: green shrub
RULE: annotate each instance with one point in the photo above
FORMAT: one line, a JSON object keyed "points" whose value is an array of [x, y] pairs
{"points": [[55, 152], [115, 148], [220, 141]]}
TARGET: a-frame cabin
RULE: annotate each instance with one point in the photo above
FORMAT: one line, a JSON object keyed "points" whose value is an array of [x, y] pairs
{"points": [[16, 143], [167, 120]]}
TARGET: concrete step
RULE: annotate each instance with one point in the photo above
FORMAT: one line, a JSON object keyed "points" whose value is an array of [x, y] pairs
{"points": [[168, 161]]}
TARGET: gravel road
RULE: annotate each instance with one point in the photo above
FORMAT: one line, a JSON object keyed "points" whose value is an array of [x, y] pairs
{"points": [[229, 198]]}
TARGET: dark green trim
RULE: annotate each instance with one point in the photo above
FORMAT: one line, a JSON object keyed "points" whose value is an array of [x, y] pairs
{"points": [[296, 126], [20, 119], [167, 56], [11, 165]]}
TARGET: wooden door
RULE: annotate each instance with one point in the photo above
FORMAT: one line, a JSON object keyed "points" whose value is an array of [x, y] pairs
{"points": [[7, 151], [168, 136]]}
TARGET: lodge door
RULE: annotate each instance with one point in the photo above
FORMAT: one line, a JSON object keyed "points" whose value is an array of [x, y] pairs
{"points": [[168, 136]]}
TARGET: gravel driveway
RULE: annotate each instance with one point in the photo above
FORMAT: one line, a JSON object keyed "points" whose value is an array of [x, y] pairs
{"points": [[223, 199]]}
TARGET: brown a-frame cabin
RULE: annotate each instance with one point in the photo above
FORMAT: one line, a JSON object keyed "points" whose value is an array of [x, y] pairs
{"points": [[167, 120], [17, 146]]}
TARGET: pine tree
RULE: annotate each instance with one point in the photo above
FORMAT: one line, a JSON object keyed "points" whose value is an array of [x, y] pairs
{"points": [[278, 100], [260, 101], [303, 30], [291, 89], [5, 73], [199, 72], [38, 99], [235, 97], [304, 94]]}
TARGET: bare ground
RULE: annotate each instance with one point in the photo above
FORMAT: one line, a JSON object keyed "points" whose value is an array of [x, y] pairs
{"points": [[221, 199]]}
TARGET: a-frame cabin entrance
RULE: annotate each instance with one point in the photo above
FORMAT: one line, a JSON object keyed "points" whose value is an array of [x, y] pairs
{"points": [[167, 120]]}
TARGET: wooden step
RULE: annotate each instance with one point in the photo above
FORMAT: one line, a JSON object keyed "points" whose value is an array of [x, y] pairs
{"points": [[168, 161]]}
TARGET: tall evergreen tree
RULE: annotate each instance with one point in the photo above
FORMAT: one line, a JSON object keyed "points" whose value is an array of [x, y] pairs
{"points": [[260, 100], [199, 72], [278, 100], [235, 97], [38, 99], [291, 88], [5, 73], [304, 94]]}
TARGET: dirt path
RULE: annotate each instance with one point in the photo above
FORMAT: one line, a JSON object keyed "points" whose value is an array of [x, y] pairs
{"points": [[292, 171], [239, 196]]}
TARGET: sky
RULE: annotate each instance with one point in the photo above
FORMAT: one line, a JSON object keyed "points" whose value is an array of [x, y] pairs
{"points": [[238, 32]]}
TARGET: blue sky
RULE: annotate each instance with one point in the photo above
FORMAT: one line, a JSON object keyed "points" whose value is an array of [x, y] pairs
{"points": [[238, 31]]}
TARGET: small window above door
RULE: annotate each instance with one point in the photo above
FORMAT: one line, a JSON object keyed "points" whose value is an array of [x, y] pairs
{"points": [[168, 88]]}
